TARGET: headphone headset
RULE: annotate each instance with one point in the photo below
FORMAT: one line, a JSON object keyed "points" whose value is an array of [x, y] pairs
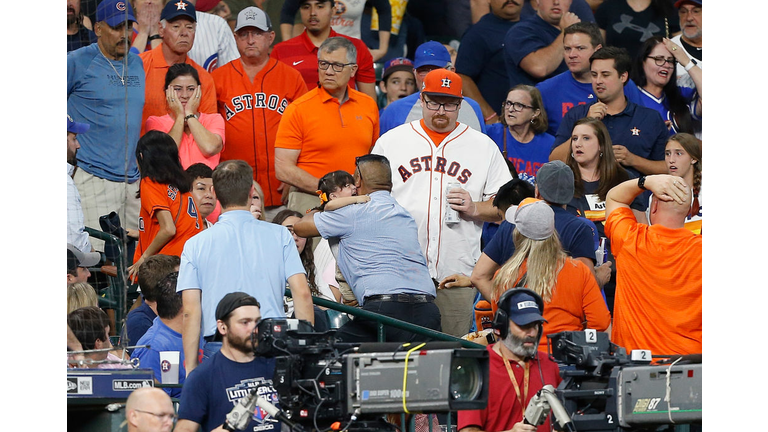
{"points": [[500, 323]]}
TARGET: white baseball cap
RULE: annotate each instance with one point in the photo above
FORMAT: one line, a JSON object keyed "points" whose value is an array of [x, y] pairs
{"points": [[253, 17]]}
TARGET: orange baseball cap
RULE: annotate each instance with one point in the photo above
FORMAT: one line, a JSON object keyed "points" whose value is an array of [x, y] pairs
{"points": [[442, 82]]}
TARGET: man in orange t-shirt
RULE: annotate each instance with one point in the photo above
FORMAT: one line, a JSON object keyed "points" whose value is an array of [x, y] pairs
{"points": [[326, 128], [658, 269], [177, 28]]}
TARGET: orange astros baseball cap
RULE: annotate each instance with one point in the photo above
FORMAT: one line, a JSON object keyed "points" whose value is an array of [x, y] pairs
{"points": [[442, 82]]}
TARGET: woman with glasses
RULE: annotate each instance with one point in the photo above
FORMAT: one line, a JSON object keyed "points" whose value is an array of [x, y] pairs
{"points": [[655, 73], [198, 136], [521, 135]]}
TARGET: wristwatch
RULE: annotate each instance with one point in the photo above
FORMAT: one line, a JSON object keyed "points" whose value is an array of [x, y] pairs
{"points": [[189, 117], [641, 183], [690, 65], [153, 37]]}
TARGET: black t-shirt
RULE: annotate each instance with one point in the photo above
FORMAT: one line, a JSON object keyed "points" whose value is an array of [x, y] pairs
{"points": [[629, 29]]}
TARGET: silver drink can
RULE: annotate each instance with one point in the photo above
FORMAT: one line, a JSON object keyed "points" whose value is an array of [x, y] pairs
{"points": [[451, 215]]}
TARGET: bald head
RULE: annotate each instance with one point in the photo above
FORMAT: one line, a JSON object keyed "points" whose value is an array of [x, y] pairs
{"points": [[373, 173], [671, 214], [149, 409]]}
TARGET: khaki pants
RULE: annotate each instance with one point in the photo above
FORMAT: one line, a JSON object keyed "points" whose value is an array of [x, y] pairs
{"points": [[456, 309], [100, 197], [302, 202]]}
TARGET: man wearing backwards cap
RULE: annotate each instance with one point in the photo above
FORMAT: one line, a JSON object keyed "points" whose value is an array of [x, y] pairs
{"points": [[78, 263], [105, 88], [515, 365], [429, 56], [178, 25], [554, 184], [217, 385], [427, 156]]}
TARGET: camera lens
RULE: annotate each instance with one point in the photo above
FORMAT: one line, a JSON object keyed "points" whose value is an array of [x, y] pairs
{"points": [[466, 379]]}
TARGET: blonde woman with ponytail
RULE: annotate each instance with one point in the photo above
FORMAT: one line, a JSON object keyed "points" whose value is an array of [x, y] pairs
{"points": [[572, 298]]}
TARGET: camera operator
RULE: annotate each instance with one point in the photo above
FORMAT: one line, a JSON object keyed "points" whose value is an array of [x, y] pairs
{"points": [[379, 255], [659, 282], [517, 369], [218, 384]]}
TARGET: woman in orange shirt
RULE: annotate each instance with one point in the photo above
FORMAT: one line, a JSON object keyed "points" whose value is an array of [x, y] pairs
{"points": [[572, 298], [168, 215]]}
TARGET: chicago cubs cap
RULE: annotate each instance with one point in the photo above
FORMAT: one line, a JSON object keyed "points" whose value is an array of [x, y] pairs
{"points": [[397, 64], [233, 301], [524, 310], [555, 181], [534, 218], [177, 9], [114, 12], [253, 17], [678, 3], [75, 127], [431, 54], [442, 82], [76, 258]]}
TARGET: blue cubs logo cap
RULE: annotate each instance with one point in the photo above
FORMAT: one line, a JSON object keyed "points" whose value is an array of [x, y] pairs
{"points": [[114, 12], [75, 127]]}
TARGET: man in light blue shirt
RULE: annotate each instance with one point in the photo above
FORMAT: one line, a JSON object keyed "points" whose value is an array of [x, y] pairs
{"points": [[379, 255], [238, 254]]}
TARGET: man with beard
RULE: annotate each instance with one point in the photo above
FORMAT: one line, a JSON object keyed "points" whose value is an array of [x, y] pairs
{"points": [[78, 35], [217, 385], [441, 164], [517, 368], [76, 234], [689, 39]]}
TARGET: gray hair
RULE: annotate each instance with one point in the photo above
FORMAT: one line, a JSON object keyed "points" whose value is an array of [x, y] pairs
{"points": [[332, 44]]}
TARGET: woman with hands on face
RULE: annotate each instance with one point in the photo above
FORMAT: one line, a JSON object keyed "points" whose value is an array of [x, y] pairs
{"points": [[199, 136]]}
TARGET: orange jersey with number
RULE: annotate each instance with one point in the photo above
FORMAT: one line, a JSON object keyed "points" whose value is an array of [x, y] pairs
{"points": [[158, 197], [252, 111]]}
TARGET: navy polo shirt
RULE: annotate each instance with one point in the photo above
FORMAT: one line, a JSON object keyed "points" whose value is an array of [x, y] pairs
{"points": [[529, 35], [641, 130], [481, 57], [576, 236]]}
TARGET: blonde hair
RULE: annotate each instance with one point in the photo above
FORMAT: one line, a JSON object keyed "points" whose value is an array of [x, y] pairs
{"points": [[544, 260], [80, 295], [260, 191]]}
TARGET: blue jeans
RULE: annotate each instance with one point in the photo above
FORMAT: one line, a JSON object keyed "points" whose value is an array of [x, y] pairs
{"points": [[210, 348]]}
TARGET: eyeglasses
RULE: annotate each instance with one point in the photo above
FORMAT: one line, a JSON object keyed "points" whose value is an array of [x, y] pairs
{"points": [[516, 106], [172, 417], [448, 107], [337, 67], [660, 60]]}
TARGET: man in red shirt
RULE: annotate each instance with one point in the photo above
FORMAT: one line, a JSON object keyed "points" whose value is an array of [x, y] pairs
{"points": [[517, 369], [301, 52]]}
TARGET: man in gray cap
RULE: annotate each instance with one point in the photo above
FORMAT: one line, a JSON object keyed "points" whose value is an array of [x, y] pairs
{"points": [[218, 384], [251, 121], [554, 184]]}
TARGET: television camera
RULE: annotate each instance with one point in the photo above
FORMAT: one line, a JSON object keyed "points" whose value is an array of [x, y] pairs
{"points": [[604, 389], [325, 384]]}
